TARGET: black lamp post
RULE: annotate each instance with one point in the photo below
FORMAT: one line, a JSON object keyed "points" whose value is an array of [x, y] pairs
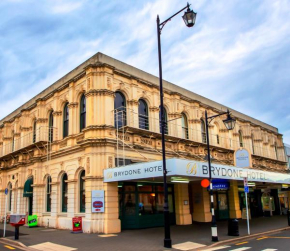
{"points": [[189, 19], [230, 124]]}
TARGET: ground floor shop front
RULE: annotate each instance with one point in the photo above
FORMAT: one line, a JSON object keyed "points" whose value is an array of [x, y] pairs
{"points": [[133, 195]]}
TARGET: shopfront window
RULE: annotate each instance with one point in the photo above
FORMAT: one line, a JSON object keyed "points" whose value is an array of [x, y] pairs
{"points": [[222, 201], [130, 204], [147, 203]]}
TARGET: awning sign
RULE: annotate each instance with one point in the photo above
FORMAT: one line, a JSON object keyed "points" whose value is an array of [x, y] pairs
{"points": [[191, 169]]}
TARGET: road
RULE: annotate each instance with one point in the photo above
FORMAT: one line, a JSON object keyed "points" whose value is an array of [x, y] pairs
{"points": [[276, 242], [7, 247]]}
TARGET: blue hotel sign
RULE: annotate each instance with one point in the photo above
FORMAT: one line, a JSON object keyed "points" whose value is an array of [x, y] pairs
{"points": [[219, 184]]}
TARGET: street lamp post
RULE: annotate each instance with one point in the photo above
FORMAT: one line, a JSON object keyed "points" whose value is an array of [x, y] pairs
{"points": [[230, 124], [189, 19]]}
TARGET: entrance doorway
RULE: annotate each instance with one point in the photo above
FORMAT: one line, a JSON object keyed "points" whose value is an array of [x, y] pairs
{"points": [[221, 205], [141, 205], [28, 192]]}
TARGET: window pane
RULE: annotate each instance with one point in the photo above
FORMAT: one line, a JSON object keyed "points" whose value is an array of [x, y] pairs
{"points": [[129, 188], [160, 188], [222, 201], [147, 204], [145, 188], [130, 204]]}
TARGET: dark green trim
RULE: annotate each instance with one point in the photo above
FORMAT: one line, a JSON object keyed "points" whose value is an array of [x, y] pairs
{"points": [[82, 191], [28, 189], [48, 194], [133, 217], [64, 194]]}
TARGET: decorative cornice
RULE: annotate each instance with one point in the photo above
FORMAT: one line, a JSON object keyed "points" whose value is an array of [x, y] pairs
{"points": [[154, 109], [133, 102], [73, 105], [100, 92], [41, 120], [97, 127], [57, 113], [194, 121]]}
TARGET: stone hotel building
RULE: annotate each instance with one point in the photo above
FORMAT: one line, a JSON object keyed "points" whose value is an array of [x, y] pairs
{"points": [[104, 115]]}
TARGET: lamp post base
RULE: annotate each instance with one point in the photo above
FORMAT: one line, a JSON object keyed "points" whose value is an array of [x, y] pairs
{"points": [[214, 238], [167, 243]]}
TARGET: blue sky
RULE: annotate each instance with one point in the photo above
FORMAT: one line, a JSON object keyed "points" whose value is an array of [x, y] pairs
{"points": [[237, 53]]}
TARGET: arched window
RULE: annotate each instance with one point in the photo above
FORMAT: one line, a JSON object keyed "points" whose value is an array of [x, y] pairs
{"points": [[203, 133], [241, 138], [34, 132], [165, 120], [82, 192], [120, 110], [184, 125], [9, 197], [64, 193], [253, 145], [83, 112], [65, 120], [50, 127], [48, 194], [143, 115], [276, 151]]}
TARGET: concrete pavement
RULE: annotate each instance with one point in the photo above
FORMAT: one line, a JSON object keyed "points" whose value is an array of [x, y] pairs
{"points": [[183, 237]]}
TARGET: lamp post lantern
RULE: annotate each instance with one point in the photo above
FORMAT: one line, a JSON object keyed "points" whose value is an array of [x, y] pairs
{"points": [[189, 19], [230, 124]]}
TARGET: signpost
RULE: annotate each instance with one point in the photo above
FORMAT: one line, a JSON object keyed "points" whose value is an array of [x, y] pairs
{"points": [[246, 188], [5, 215]]}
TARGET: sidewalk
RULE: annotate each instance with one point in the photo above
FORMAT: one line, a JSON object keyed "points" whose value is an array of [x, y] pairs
{"points": [[143, 239]]}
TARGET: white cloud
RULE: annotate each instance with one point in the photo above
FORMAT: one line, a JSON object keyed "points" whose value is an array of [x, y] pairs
{"points": [[64, 7]]}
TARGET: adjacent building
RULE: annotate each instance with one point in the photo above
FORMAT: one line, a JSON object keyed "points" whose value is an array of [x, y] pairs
{"points": [[104, 115]]}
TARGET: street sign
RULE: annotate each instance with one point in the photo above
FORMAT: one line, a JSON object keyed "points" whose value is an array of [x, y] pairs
{"points": [[246, 189], [6, 191]]}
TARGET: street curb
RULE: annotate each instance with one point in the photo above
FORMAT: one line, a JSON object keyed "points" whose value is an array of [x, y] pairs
{"points": [[15, 243], [247, 237]]}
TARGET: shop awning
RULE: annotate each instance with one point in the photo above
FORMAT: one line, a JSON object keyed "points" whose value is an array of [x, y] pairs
{"points": [[28, 189], [192, 170]]}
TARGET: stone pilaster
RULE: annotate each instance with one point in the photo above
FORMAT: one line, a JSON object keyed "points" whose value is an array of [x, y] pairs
{"points": [[234, 203], [182, 211]]}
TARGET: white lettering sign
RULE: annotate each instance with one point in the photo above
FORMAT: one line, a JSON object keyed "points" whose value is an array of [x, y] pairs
{"points": [[190, 169]]}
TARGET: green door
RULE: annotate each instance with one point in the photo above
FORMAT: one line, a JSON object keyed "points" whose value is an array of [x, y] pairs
{"points": [[222, 205]]}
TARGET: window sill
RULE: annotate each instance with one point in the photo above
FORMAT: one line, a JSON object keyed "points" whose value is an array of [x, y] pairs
{"points": [[46, 214], [80, 214], [62, 214]]}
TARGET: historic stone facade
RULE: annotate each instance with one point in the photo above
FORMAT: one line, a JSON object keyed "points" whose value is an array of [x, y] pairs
{"points": [[48, 140]]}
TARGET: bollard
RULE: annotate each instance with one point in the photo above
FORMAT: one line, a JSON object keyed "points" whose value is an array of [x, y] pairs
{"points": [[233, 227], [16, 236]]}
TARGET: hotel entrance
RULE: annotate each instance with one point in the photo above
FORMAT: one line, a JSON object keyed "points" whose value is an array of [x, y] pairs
{"points": [[141, 205]]}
